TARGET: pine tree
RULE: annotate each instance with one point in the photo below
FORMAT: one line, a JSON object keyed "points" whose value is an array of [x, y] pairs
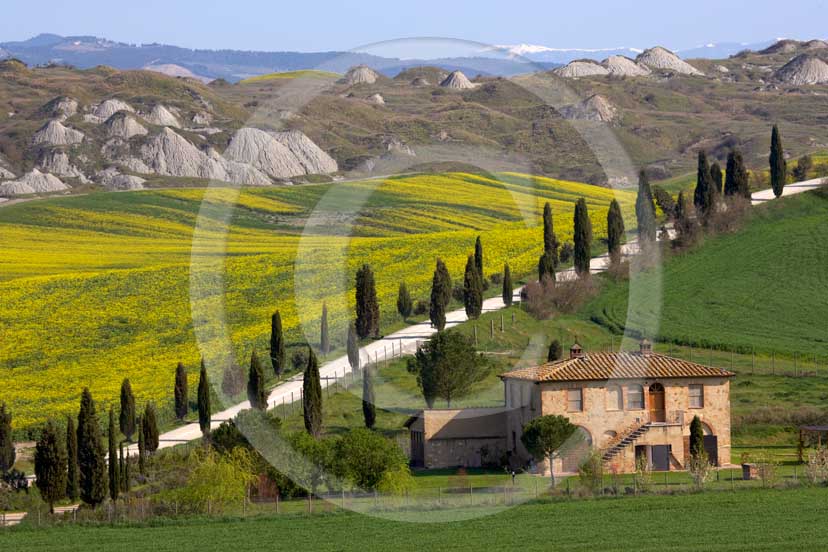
{"points": [[312, 396], [114, 468], [696, 437], [256, 393], [644, 210], [91, 455], [701, 195], [181, 393], [404, 303], [367, 305], [615, 231], [472, 290], [369, 409], [508, 288], [150, 428], [555, 351], [583, 238], [72, 489], [353, 347], [142, 448], [716, 178], [277, 345], [7, 454], [440, 296], [324, 338], [203, 401], [126, 418], [550, 240], [778, 165], [478, 257], [50, 466]]}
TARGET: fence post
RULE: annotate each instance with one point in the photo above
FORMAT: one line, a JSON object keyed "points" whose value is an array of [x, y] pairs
{"points": [[732, 488], [277, 503], [491, 329], [471, 495], [501, 322]]}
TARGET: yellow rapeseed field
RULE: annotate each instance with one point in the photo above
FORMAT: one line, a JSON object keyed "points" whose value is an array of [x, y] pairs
{"points": [[96, 288]]}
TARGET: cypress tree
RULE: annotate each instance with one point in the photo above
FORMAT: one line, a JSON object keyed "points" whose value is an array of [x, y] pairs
{"points": [[277, 345], [686, 227], [478, 257], [440, 295], [716, 178], [7, 454], [126, 418], [369, 409], [472, 289], [730, 174], [367, 305], [142, 448], [72, 488], [150, 428], [324, 338], [508, 289], [696, 437], [91, 456], [114, 468], [122, 469], [550, 240], [645, 210], [182, 404], [736, 177], [50, 466], [404, 303], [583, 238], [555, 351], [615, 230], [312, 396], [546, 267], [203, 401], [701, 195], [353, 347], [256, 393], [778, 165], [126, 481]]}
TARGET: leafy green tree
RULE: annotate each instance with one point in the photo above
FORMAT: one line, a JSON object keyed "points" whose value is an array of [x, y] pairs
{"points": [[508, 288], [277, 345], [615, 231], [114, 468], [203, 400], [405, 305], [7, 454], [702, 193], [645, 211], [353, 347], [583, 238], [126, 417], [440, 296], [362, 457], [696, 437], [716, 177], [318, 456], [550, 240], [369, 408], [555, 351], [256, 391], [367, 305], [546, 267], [472, 289], [72, 488], [324, 338], [478, 257], [150, 428], [736, 175], [664, 201], [778, 165], [50, 466], [546, 435], [181, 392], [91, 455], [447, 367], [312, 396]]}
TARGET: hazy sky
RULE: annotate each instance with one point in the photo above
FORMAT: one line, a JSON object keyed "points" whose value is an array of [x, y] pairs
{"points": [[309, 25]]}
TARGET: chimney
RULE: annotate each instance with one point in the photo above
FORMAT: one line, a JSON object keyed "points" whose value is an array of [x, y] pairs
{"points": [[645, 347], [576, 351]]}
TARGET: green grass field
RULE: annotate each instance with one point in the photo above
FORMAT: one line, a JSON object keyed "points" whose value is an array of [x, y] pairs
{"points": [[744, 520], [305, 74]]}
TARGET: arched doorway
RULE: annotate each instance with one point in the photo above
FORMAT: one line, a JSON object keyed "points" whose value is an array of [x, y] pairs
{"points": [[657, 410]]}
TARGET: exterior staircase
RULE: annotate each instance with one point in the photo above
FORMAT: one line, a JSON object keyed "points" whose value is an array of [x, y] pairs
{"points": [[624, 440]]}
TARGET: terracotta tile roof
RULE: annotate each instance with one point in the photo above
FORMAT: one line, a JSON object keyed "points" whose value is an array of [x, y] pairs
{"points": [[625, 365]]}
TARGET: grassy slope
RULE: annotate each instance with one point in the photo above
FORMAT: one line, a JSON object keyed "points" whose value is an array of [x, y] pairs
{"points": [[104, 278], [305, 74], [747, 520], [762, 287]]}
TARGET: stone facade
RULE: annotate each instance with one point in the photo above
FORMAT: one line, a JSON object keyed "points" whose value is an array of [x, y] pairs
{"points": [[471, 437]]}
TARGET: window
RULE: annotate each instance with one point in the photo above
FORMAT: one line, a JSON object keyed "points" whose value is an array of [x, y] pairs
{"points": [[635, 397], [697, 396], [615, 399], [575, 400]]}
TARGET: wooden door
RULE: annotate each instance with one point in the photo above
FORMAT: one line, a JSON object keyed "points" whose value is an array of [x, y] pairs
{"points": [[657, 410]]}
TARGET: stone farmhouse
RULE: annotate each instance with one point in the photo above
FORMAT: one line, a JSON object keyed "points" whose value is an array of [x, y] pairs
{"points": [[626, 405]]}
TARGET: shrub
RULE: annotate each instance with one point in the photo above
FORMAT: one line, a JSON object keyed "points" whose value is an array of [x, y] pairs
{"points": [[363, 457], [421, 308], [496, 278], [232, 380], [643, 476], [457, 292], [543, 300], [566, 252], [299, 359], [816, 468], [591, 472]]}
